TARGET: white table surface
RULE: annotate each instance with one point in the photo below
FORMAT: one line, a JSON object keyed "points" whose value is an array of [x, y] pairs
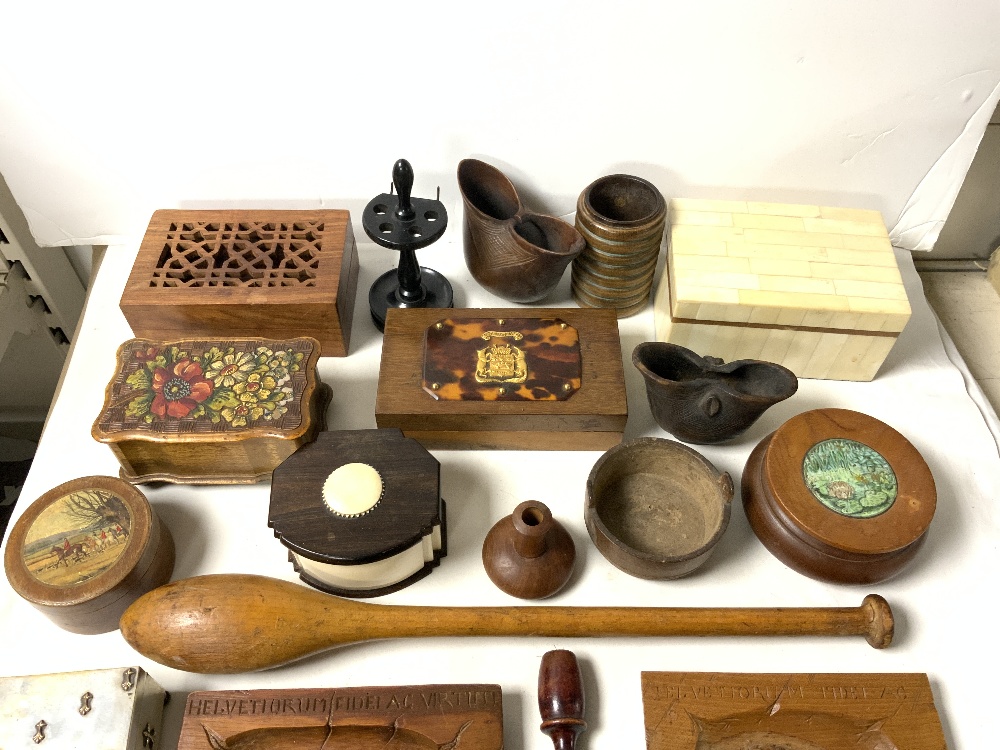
{"points": [[942, 602]]}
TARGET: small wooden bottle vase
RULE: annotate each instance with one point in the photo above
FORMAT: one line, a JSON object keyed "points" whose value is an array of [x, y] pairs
{"points": [[529, 554]]}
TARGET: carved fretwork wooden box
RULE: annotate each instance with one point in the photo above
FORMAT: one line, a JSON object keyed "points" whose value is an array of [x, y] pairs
{"points": [[524, 379], [220, 274], [222, 411]]}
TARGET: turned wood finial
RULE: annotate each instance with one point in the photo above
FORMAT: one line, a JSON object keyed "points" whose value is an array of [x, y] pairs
{"points": [[560, 698]]}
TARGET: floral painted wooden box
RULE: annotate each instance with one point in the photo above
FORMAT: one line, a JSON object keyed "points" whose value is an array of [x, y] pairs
{"points": [[99, 709], [211, 412], [211, 273]]}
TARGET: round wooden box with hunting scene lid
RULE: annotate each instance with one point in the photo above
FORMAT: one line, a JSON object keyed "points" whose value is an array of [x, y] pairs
{"points": [[223, 411], [85, 550], [839, 496]]}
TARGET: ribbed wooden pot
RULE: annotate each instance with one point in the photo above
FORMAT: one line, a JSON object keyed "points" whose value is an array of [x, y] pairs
{"points": [[621, 217]]}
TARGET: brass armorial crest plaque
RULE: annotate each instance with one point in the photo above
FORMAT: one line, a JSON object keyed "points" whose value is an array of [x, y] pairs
{"points": [[511, 359], [501, 362]]}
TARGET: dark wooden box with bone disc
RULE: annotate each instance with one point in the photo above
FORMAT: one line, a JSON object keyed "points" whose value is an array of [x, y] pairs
{"points": [[415, 717], [527, 379]]}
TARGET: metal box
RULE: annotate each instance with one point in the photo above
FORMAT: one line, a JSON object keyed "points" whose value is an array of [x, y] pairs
{"points": [[100, 709]]}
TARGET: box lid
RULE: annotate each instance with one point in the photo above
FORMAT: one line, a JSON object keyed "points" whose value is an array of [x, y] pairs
{"points": [[850, 481], [209, 391], [405, 508], [238, 256], [784, 265]]}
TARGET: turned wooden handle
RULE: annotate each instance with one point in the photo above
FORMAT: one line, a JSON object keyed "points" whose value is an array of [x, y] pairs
{"points": [[560, 698], [402, 180], [242, 623]]}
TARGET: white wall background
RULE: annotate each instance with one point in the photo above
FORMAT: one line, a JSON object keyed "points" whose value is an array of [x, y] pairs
{"points": [[109, 111]]}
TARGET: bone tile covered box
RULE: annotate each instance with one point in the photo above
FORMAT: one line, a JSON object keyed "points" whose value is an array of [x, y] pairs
{"points": [[814, 288]]}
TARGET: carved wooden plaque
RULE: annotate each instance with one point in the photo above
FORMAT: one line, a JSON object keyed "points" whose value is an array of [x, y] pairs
{"points": [[416, 717], [722, 711], [502, 359]]}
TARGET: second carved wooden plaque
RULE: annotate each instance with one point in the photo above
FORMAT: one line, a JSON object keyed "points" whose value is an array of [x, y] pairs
{"points": [[722, 711]]}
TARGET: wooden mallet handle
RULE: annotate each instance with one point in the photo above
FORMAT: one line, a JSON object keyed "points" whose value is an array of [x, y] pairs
{"points": [[242, 623], [560, 698]]}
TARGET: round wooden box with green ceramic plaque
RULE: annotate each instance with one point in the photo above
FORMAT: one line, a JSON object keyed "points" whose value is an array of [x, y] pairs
{"points": [[839, 496]]}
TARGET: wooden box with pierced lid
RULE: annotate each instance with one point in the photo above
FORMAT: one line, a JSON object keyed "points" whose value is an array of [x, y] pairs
{"points": [[212, 274], [221, 411]]}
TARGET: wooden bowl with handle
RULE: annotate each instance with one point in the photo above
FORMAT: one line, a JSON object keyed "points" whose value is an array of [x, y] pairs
{"points": [[656, 508]]}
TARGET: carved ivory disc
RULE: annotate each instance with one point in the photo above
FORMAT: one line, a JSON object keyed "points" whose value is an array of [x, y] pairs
{"points": [[352, 489]]}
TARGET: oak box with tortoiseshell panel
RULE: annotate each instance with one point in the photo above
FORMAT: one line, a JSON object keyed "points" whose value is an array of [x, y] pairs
{"points": [[525, 379]]}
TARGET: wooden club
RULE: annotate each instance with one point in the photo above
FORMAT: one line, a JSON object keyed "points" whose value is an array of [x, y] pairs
{"points": [[225, 624]]}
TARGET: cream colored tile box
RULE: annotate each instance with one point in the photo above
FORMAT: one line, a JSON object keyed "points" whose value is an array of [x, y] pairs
{"points": [[813, 288]]}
